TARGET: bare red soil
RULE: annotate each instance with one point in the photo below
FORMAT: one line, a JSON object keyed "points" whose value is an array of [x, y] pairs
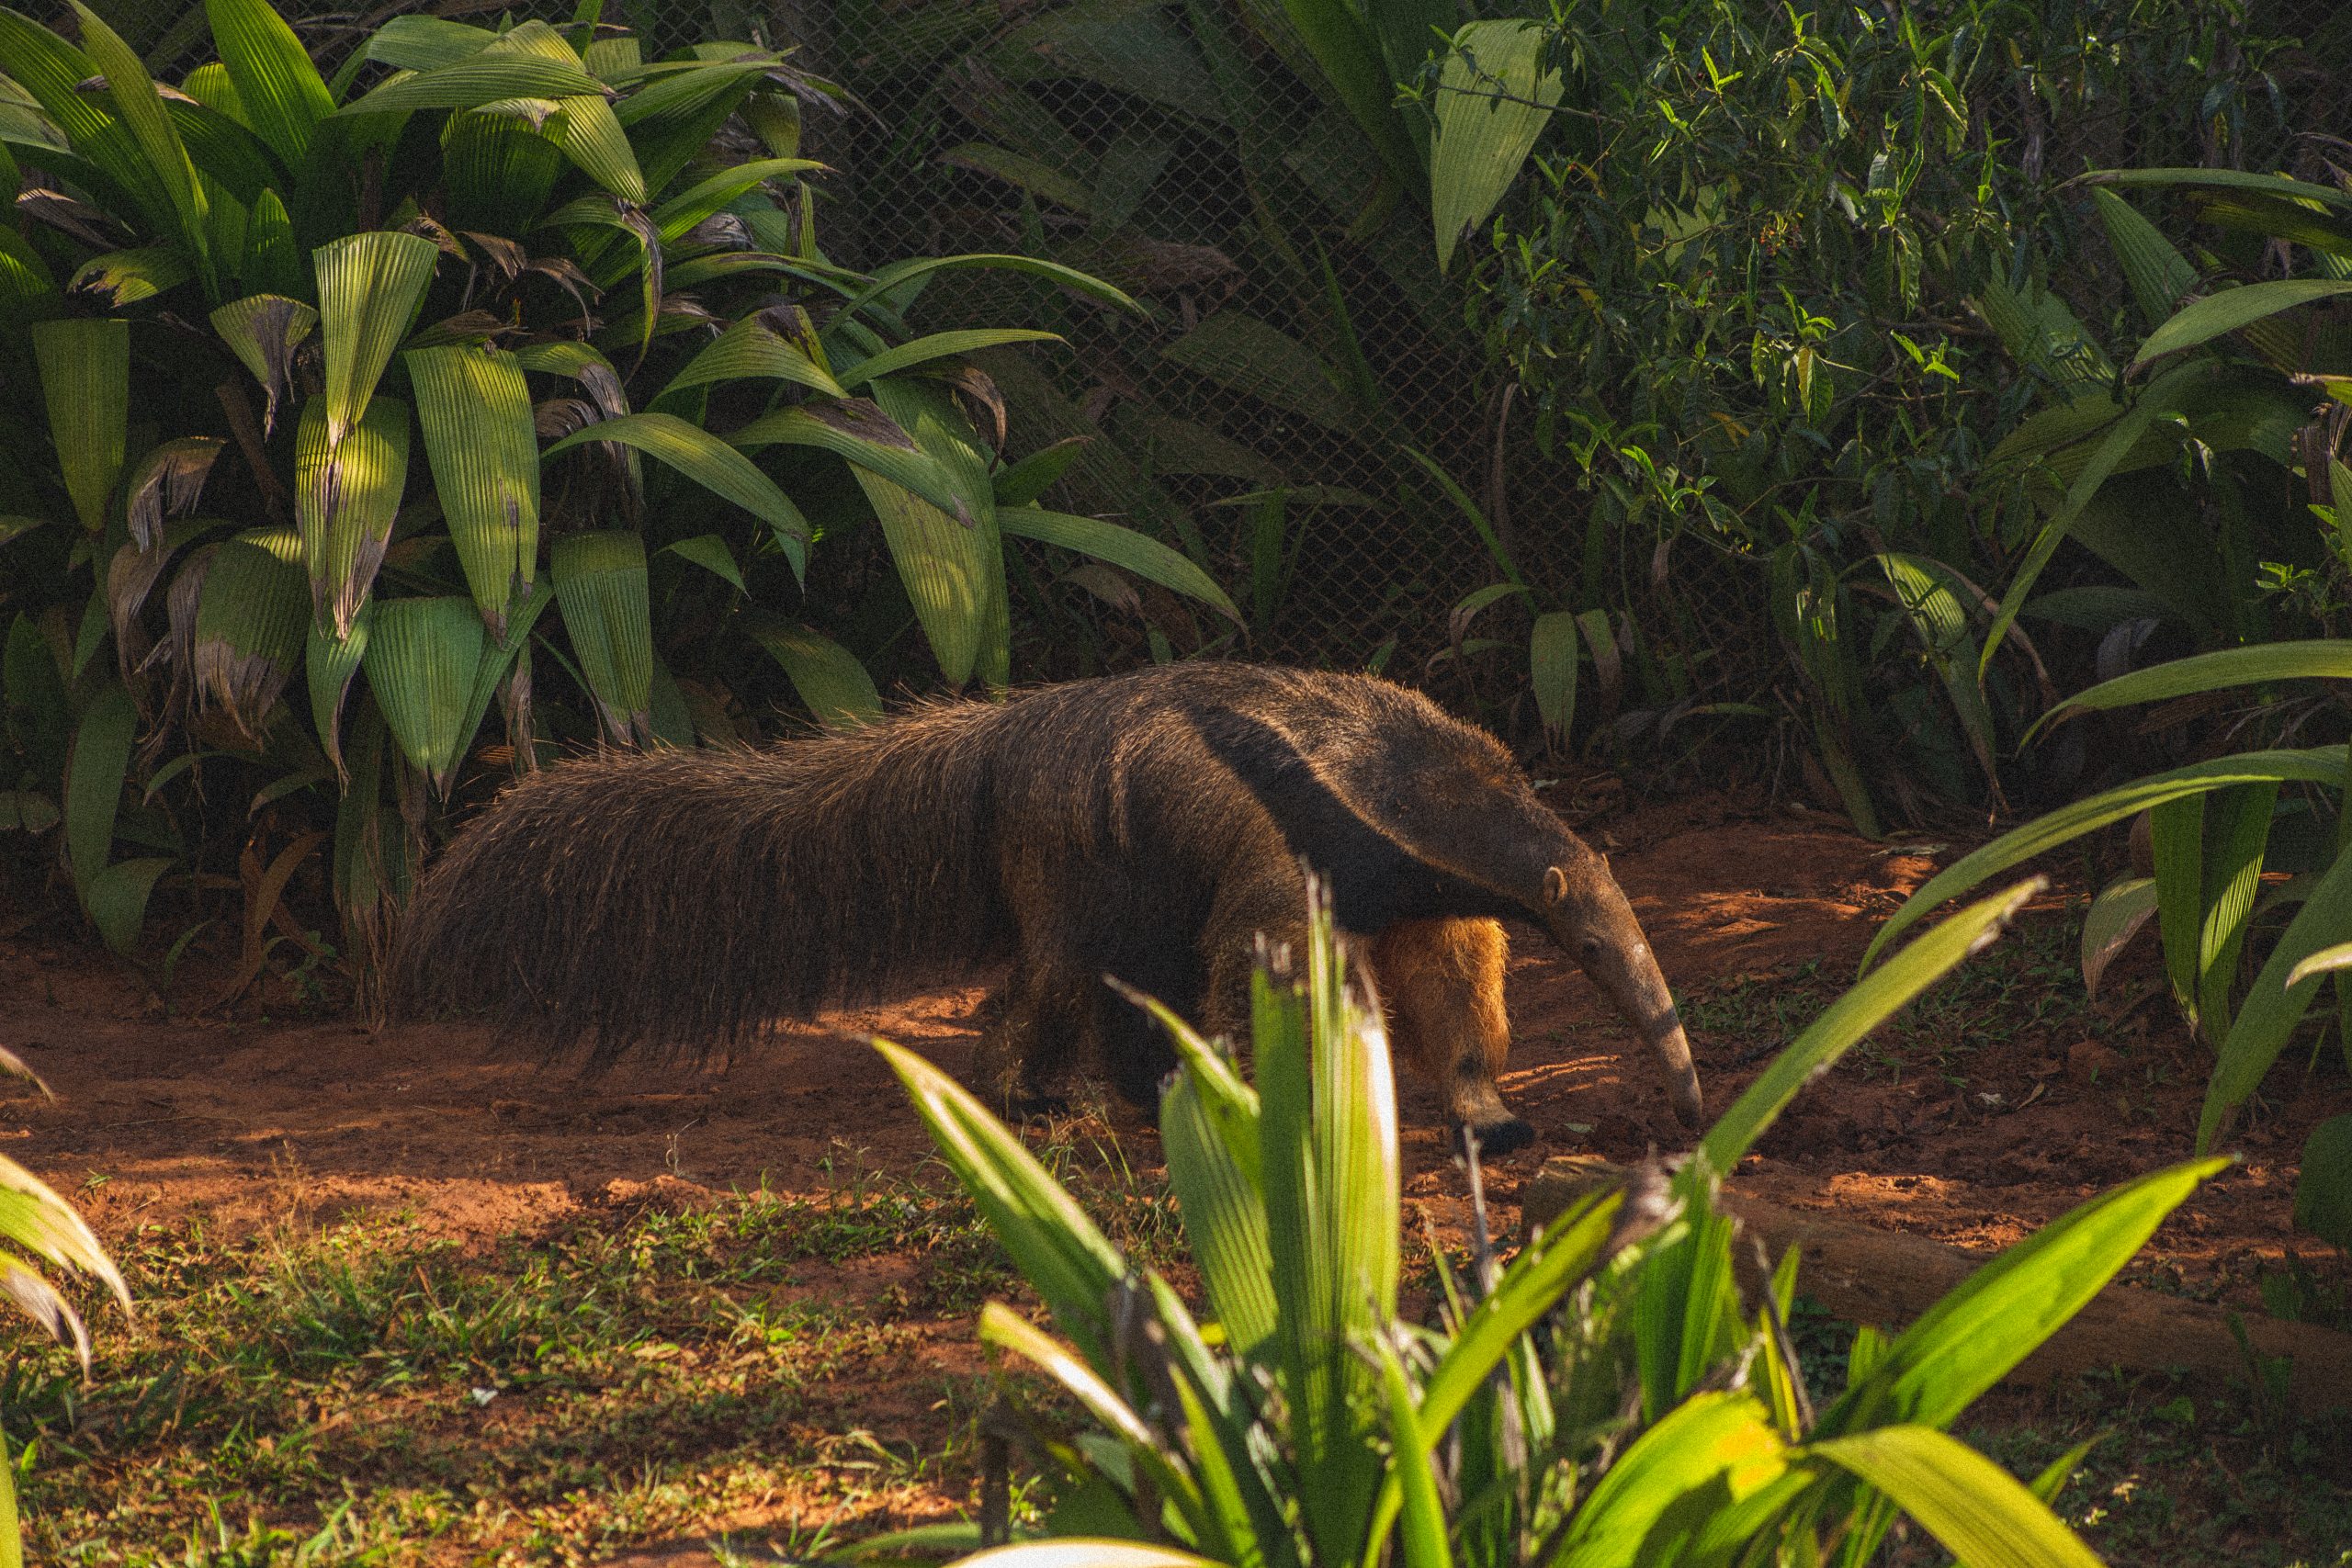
{"points": [[250, 1121]]}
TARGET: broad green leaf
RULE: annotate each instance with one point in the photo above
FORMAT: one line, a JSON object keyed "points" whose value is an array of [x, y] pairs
{"points": [[85, 384], [827, 675], [2325, 961], [2041, 334], [901, 279], [2272, 1008], [1551, 657], [474, 410], [1056, 1247], [262, 331], [1083, 1552], [939, 345], [2228, 179], [1492, 104], [126, 278], [329, 663], [2315, 658], [599, 582], [2323, 764], [2177, 842], [952, 566], [474, 81], [279, 89], [1997, 1318], [370, 286], [1422, 1528], [94, 770], [749, 349], [249, 628], [1223, 1213], [117, 899], [420, 659], [143, 113], [673, 218], [2323, 1186], [1245, 355], [1979, 1511], [1559, 1259], [590, 135], [1930, 598], [710, 463], [709, 552], [2237, 830], [857, 430], [346, 494], [1718, 1445], [425, 43], [1021, 483], [1123, 547], [2158, 273], [2232, 308], [1854, 1014], [2116, 916], [1347, 53]]}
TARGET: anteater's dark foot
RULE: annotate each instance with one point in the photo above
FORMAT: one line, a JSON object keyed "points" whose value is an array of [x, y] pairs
{"points": [[1495, 1140]]}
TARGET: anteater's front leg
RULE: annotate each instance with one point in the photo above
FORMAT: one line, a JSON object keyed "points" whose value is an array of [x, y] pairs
{"points": [[1441, 982]]}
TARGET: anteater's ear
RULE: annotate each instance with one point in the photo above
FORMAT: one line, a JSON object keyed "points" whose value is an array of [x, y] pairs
{"points": [[1556, 885]]}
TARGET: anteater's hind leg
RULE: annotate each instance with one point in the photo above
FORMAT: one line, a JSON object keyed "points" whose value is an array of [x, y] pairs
{"points": [[1442, 983]]}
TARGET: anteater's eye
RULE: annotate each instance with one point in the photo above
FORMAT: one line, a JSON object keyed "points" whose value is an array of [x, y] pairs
{"points": [[1588, 947]]}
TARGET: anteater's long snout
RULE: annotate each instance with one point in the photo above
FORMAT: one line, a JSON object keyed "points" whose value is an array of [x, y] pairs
{"points": [[1596, 925]]}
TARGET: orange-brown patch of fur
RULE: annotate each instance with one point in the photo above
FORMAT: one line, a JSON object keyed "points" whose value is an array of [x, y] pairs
{"points": [[1441, 983]]}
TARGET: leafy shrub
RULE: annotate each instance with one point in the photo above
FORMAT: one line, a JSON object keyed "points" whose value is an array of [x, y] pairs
{"points": [[1607, 1398], [1750, 291], [349, 378]]}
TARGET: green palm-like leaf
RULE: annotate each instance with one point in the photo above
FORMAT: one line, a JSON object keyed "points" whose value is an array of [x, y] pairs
{"points": [[2273, 1006], [681, 212], [370, 286], [1722, 1445], [1056, 1247], [329, 663], [1123, 547], [346, 494], [150, 124], [477, 79], [279, 89], [249, 627], [475, 412], [2324, 765], [1980, 1512], [857, 430], [2315, 658], [900, 280], [421, 658], [1984, 1327], [939, 346], [2115, 916], [2159, 274], [599, 582], [1552, 670], [1224, 1215], [827, 675], [1492, 104], [94, 769], [85, 385], [749, 349], [2232, 308], [952, 566], [711, 463]]}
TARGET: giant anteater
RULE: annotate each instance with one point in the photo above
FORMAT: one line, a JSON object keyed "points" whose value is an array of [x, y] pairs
{"points": [[1146, 826]]}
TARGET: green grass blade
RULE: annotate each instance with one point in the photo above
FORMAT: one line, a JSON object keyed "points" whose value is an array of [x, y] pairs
{"points": [[95, 767], [1984, 1326], [370, 287], [600, 581], [939, 345], [346, 494], [1853, 1015], [1979, 1511], [2272, 1008], [85, 385], [1070, 1264], [827, 675], [1482, 135], [281, 92], [2232, 308], [421, 658], [2324, 765], [474, 411], [711, 463], [1123, 547]]}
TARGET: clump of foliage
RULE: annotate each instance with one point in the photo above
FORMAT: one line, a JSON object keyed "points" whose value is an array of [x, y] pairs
{"points": [[330, 383], [1607, 1398], [1780, 287]]}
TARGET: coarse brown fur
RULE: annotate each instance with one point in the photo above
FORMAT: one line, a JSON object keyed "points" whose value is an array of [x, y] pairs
{"points": [[1146, 826]]}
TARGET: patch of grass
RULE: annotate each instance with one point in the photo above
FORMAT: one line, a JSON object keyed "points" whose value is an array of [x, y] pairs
{"points": [[373, 1393]]}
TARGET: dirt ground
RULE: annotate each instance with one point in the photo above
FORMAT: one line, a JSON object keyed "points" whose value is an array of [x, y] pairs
{"points": [[1972, 1136]]}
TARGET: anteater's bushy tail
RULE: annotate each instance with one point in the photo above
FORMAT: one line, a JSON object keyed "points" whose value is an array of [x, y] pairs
{"points": [[681, 900]]}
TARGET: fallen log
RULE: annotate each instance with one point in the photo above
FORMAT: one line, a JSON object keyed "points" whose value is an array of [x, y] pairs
{"points": [[1886, 1279]]}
